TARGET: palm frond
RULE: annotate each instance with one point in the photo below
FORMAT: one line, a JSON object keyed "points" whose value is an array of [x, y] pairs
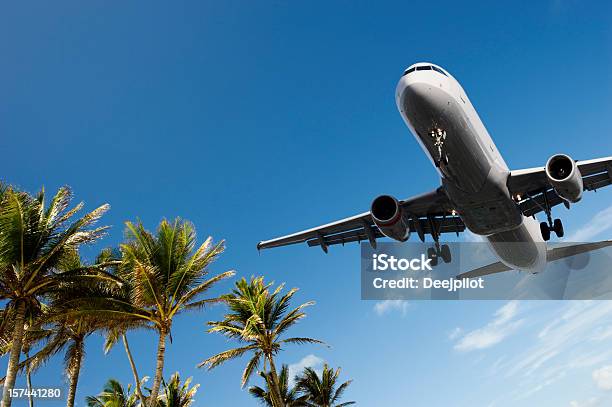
{"points": [[291, 318], [222, 357], [111, 338], [302, 341], [183, 301], [250, 367]]}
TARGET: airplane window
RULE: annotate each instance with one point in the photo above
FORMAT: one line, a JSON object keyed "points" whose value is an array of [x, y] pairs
{"points": [[439, 70], [423, 68], [408, 71]]}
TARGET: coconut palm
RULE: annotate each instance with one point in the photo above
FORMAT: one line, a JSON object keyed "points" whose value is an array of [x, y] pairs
{"points": [[56, 330], [177, 394], [258, 318], [322, 391], [162, 274], [290, 396], [34, 239], [113, 395]]}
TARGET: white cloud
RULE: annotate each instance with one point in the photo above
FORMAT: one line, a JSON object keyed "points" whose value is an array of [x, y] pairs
{"points": [[592, 402], [560, 342], [560, 339], [602, 334], [455, 333], [603, 377], [388, 306], [600, 223], [502, 325], [311, 361]]}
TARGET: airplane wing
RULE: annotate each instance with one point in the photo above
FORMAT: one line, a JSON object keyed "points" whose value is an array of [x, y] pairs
{"points": [[556, 253], [429, 212], [493, 268], [531, 184]]}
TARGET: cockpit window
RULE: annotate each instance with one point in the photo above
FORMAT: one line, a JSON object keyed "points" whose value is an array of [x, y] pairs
{"points": [[435, 68], [424, 68], [407, 71]]}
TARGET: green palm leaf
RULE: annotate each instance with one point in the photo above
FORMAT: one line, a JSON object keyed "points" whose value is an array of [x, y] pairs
{"points": [[258, 315], [322, 391]]}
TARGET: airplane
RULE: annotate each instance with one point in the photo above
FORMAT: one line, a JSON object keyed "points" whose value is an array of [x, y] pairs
{"points": [[478, 191]]}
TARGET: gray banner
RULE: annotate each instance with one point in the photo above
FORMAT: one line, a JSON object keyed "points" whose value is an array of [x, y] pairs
{"points": [[418, 271]]}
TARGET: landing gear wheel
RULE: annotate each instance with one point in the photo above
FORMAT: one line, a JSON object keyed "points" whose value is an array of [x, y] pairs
{"points": [[433, 255], [558, 228], [545, 231], [445, 253]]}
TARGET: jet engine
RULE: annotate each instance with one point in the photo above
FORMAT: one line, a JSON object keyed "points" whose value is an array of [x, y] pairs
{"points": [[564, 176], [388, 215]]}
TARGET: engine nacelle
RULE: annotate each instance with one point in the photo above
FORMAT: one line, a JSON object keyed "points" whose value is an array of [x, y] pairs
{"points": [[564, 176], [388, 215]]}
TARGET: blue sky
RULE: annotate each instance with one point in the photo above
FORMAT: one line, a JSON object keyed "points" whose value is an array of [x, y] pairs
{"points": [[260, 119]]}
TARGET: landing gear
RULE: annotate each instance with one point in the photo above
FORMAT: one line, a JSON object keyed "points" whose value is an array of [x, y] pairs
{"points": [[439, 136], [433, 256], [439, 252], [558, 228], [545, 230], [550, 226], [445, 253]]}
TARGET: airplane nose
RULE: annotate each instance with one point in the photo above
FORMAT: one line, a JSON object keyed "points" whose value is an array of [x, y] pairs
{"points": [[419, 96]]}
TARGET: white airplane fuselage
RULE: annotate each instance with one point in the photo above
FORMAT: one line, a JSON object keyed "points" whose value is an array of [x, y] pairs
{"points": [[474, 174]]}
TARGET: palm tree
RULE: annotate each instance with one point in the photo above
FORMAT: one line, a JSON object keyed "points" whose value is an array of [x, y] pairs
{"points": [[258, 318], [162, 275], [113, 395], [33, 240], [322, 391], [290, 396], [177, 395], [56, 330]]}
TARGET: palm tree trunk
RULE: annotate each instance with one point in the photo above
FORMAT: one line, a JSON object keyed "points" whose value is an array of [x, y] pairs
{"points": [[74, 373], [277, 399], [159, 369], [29, 383], [13, 365], [134, 371]]}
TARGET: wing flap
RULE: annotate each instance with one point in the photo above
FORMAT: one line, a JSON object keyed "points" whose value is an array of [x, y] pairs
{"points": [[597, 165], [594, 182]]}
